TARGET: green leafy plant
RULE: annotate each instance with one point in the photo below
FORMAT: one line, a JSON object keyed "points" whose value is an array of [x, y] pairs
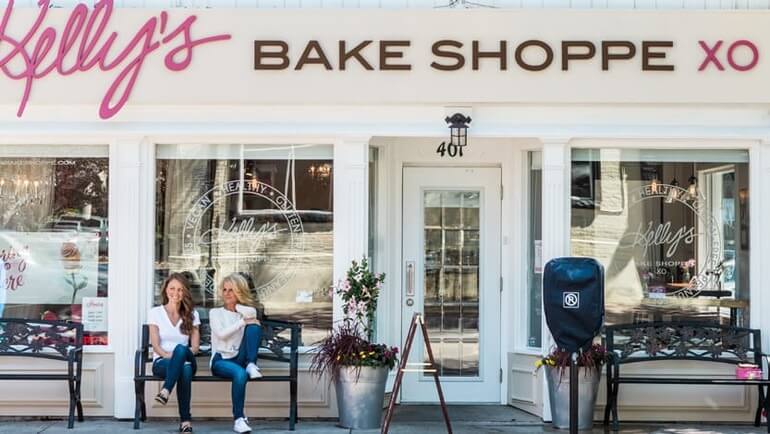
{"points": [[359, 293]]}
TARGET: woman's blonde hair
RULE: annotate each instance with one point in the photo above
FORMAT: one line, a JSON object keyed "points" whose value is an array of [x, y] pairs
{"points": [[241, 286]]}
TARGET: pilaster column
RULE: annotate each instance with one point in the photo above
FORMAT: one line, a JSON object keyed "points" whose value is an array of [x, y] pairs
{"points": [[351, 207], [126, 285], [556, 224]]}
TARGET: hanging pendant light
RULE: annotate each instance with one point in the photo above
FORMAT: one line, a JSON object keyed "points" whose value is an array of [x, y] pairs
{"points": [[654, 185], [673, 191], [692, 190]]}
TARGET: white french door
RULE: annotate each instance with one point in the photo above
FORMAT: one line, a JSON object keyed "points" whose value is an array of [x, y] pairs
{"points": [[451, 263]]}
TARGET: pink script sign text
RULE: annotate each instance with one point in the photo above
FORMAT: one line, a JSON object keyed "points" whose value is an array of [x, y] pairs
{"points": [[38, 53]]}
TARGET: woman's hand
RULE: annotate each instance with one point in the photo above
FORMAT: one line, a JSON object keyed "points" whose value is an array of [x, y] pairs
{"points": [[251, 321], [195, 340]]}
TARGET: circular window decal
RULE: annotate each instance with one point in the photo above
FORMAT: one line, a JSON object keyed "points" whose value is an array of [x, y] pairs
{"points": [[658, 244], [269, 237]]}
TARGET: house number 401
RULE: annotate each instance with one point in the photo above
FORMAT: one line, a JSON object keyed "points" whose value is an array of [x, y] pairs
{"points": [[450, 149]]}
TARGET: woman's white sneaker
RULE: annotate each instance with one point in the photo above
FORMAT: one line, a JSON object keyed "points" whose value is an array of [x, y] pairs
{"points": [[253, 371], [240, 425]]}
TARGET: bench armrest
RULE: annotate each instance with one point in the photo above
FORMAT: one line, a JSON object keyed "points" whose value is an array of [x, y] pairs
{"points": [[281, 323], [140, 364]]}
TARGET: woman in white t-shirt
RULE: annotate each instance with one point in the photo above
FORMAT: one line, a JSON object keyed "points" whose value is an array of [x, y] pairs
{"points": [[175, 339], [235, 336]]}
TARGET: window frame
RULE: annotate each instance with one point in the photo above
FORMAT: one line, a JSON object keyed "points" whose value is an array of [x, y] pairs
{"points": [[147, 298], [753, 147]]}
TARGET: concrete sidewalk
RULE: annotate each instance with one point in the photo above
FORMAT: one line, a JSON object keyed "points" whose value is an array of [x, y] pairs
{"points": [[408, 420]]}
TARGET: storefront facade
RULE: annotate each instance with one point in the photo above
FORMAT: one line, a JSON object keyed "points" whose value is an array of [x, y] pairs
{"points": [[285, 144]]}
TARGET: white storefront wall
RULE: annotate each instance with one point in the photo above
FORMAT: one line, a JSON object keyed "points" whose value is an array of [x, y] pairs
{"points": [[221, 99]]}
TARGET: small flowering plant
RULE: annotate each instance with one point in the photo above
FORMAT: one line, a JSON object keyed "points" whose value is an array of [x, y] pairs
{"points": [[595, 357], [359, 292]]}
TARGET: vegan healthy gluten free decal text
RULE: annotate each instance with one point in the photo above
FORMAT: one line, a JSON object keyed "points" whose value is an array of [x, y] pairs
{"points": [[84, 44]]}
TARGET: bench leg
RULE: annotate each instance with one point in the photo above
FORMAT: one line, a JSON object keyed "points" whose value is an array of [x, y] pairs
{"points": [[767, 410], [79, 404], [609, 396], [615, 421], [139, 408], [73, 404], [292, 404], [760, 405]]}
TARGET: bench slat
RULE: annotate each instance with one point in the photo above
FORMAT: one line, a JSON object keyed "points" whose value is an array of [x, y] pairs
{"points": [[34, 377], [210, 378], [691, 381]]}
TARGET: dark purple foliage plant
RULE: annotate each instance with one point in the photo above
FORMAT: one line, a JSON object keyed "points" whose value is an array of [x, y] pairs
{"points": [[595, 357]]}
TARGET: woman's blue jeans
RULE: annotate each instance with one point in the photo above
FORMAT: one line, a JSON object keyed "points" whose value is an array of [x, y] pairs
{"points": [[178, 370], [235, 368]]}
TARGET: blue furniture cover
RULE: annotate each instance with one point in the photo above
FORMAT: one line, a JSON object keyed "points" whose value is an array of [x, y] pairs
{"points": [[573, 298]]}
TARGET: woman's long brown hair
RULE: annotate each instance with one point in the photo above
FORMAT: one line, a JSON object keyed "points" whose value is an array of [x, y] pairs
{"points": [[186, 308]]}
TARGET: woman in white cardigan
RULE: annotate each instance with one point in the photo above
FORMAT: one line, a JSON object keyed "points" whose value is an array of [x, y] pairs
{"points": [[235, 336]]}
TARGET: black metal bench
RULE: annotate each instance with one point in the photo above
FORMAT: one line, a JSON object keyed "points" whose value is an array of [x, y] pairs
{"points": [[54, 340], [703, 342], [271, 341]]}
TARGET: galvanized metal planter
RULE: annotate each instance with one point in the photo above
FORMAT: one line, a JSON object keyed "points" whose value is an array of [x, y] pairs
{"points": [[558, 391], [360, 396]]}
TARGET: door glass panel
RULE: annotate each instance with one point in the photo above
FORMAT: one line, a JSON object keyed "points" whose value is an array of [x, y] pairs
{"points": [[451, 290]]}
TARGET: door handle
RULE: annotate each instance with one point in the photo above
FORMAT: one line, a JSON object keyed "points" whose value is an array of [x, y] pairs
{"points": [[410, 278]]}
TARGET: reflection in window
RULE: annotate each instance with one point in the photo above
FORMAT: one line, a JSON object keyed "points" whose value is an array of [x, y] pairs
{"points": [[535, 251], [671, 228], [269, 217], [53, 236], [451, 225]]}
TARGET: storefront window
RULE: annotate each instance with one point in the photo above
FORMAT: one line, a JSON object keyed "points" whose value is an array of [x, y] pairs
{"points": [[265, 211], [53, 235], [671, 228], [535, 252]]}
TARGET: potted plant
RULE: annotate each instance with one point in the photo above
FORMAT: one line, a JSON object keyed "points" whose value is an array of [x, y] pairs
{"points": [[556, 365], [358, 367]]}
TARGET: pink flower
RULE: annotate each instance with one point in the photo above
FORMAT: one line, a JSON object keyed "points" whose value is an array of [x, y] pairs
{"points": [[345, 287], [352, 307]]}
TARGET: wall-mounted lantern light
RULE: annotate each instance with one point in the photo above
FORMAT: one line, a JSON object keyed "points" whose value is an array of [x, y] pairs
{"points": [[458, 135]]}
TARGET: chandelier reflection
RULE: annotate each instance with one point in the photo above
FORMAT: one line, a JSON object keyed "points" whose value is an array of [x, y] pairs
{"points": [[24, 190], [673, 191], [320, 172], [251, 180]]}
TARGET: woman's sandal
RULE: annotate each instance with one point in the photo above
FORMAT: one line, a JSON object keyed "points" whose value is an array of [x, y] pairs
{"points": [[185, 428], [161, 398]]}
